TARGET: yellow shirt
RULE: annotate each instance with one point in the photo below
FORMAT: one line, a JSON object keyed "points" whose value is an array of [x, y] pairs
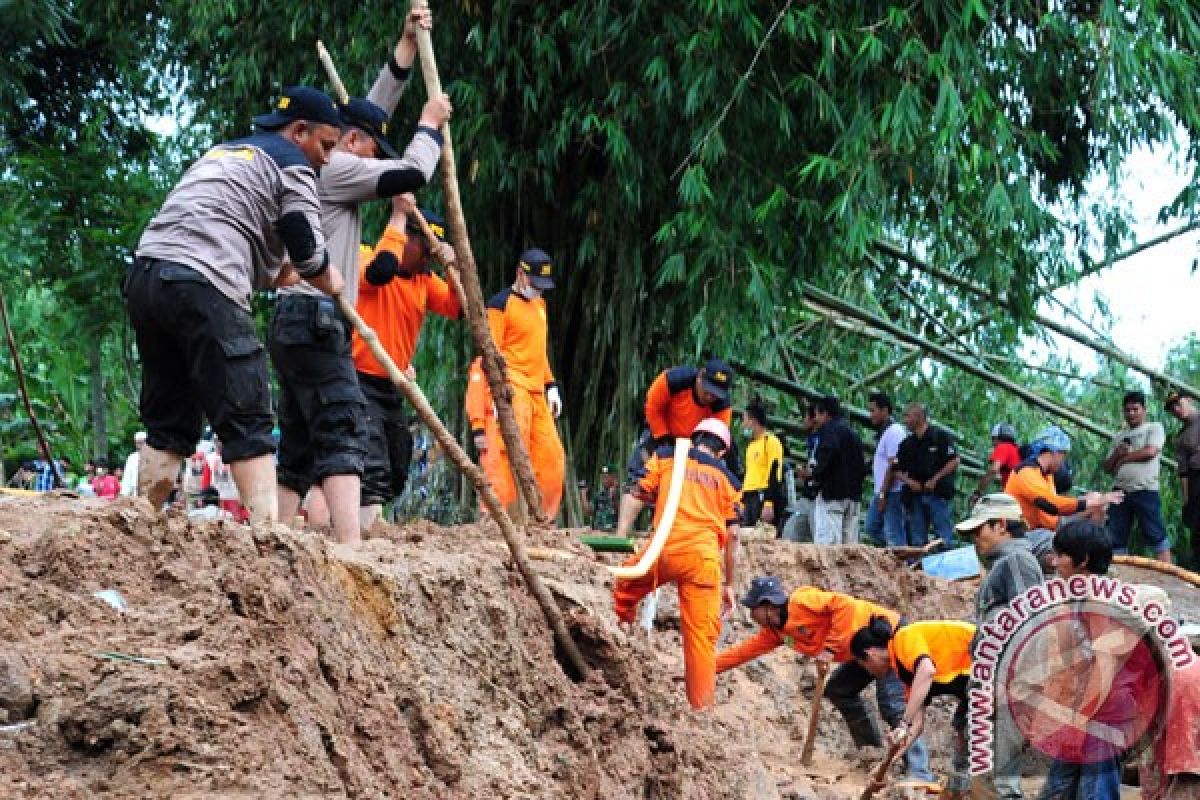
{"points": [[764, 461]]}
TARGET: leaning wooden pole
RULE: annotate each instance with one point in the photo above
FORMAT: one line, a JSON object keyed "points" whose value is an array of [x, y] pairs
{"points": [[20, 370], [450, 445], [493, 364]]}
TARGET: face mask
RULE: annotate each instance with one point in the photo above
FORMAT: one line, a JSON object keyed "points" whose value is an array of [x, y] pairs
{"points": [[530, 293], [747, 431]]}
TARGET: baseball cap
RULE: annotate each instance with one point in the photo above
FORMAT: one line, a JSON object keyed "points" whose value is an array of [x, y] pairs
{"points": [[366, 116], [988, 508], [536, 264], [436, 224], [301, 102], [718, 378], [765, 589]]}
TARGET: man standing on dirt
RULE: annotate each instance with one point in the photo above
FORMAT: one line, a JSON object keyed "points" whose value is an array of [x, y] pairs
{"points": [[222, 233], [517, 319], [927, 462], [1187, 450], [885, 516], [1004, 458], [838, 471], [481, 413], [762, 493], [677, 401], [322, 419], [1134, 462], [821, 624], [699, 554], [396, 291]]}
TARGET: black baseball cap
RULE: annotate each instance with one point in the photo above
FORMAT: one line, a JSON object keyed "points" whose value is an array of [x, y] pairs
{"points": [[717, 378], [536, 264], [765, 589], [436, 224], [365, 115], [301, 102]]}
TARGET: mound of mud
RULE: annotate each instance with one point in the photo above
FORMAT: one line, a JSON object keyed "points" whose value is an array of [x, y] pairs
{"points": [[257, 662]]}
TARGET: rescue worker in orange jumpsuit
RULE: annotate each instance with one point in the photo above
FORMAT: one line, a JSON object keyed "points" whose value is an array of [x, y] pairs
{"points": [[933, 659], [486, 433], [699, 555], [821, 624], [396, 290], [517, 318], [676, 402]]}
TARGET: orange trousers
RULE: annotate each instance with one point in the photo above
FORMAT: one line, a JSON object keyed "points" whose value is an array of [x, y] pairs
{"points": [[697, 576], [545, 449], [495, 464]]}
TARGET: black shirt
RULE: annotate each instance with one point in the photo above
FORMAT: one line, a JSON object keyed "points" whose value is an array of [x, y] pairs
{"points": [[840, 467], [921, 458]]}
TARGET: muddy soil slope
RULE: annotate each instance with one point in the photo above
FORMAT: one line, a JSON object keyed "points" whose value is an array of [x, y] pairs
{"points": [[277, 665]]}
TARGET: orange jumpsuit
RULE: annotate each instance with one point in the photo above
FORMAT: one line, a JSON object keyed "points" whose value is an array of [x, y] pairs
{"points": [[520, 331], [691, 559], [816, 620], [671, 408], [494, 461]]}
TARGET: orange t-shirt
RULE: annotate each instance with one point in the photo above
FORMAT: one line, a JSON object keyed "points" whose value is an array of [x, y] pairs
{"points": [[671, 408], [946, 643], [396, 310], [708, 504], [816, 620], [520, 330], [1028, 484]]}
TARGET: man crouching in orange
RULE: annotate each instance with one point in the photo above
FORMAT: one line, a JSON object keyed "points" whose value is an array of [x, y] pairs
{"points": [[703, 535]]}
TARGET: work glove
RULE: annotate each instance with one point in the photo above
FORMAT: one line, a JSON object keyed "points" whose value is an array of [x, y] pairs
{"points": [[554, 399]]}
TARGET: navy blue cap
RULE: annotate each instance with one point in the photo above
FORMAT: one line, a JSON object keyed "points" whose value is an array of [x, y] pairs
{"points": [[301, 102], [717, 378], [765, 589], [365, 115], [536, 264], [436, 224]]}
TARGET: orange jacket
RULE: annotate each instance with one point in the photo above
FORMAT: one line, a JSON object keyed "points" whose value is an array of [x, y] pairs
{"points": [[708, 504], [1035, 491], [397, 309], [947, 643], [520, 331], [816, 620], [479, 397], [671, 408]]}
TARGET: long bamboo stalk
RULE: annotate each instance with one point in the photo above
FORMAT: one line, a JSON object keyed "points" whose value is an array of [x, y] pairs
{"points": [[493, 363], [911, 356], [1174, 570], [1063, 330], [956, 360], [20, 370]]}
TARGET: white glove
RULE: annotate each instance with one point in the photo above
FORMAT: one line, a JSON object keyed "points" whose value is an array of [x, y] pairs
{"points": [[554, 399]]}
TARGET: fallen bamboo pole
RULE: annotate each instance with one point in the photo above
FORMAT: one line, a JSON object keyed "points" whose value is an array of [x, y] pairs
{"points": [[493, 364], [1059, 328], [1174, 570]]}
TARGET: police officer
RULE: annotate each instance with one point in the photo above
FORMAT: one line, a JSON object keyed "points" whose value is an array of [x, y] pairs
{"points": [[222, 233]]}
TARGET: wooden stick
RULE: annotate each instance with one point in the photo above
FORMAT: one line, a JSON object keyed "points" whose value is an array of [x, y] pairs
{"points": [[1174, 570], [818, 693], [493, 364], [879, 776], [33, 420], [458, 457]]}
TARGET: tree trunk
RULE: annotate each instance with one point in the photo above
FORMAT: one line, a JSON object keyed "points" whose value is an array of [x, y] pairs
{"points": [[99, 408]]}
